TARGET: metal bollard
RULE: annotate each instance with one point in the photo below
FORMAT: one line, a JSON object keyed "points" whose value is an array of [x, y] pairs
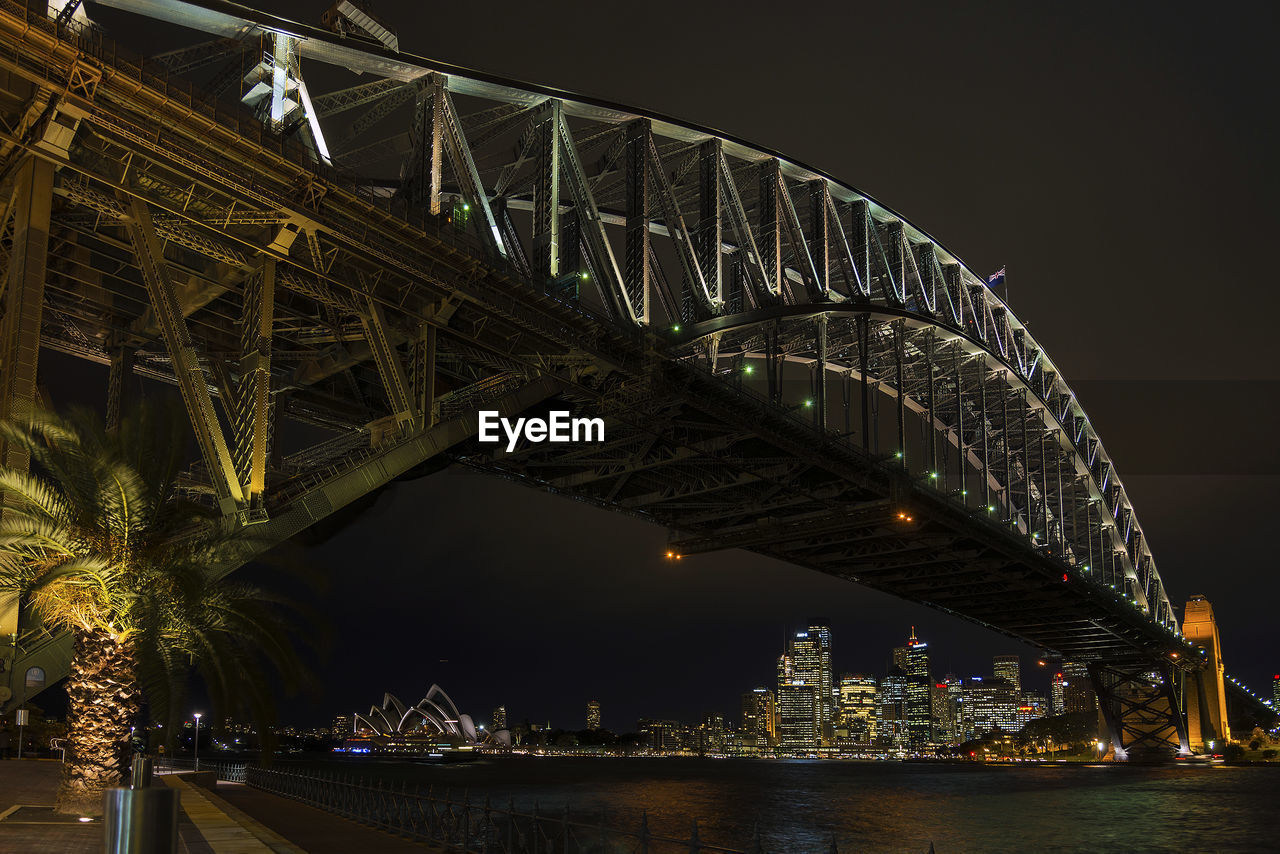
{"points": [[141, 819]]}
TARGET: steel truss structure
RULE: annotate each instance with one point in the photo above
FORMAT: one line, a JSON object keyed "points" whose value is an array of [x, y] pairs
{"points": [[783, 363]]}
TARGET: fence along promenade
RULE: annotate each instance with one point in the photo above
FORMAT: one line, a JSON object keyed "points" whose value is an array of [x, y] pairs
{"points": [[467, 825]]}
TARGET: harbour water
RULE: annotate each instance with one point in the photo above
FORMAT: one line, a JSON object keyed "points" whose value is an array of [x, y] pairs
{"points": [[879, 806]]}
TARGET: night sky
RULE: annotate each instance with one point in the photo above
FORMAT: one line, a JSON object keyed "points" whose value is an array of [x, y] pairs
{"points": [[1118, 158]]}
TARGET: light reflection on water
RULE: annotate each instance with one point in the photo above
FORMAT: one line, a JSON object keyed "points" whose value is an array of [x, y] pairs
{"points": [[882, 806]]}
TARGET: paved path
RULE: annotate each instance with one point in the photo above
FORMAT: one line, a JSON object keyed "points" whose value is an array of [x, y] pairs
{"points": [[27, 783], [233, 820], [316, 831]]}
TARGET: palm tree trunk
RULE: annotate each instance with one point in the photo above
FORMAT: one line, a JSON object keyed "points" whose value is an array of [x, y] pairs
{"points": [[104, 699]]}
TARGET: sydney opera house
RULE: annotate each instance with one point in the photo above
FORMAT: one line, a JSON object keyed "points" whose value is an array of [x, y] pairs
{"points": [[432, 729]]}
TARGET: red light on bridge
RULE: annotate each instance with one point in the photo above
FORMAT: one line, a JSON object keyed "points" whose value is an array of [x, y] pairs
{"points": [[1064, 576]]}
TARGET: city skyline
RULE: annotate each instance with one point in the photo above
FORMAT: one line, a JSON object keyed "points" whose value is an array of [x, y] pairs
{"points": [[824, 667]]}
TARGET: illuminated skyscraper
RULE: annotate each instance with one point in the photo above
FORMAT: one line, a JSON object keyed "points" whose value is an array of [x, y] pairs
{"points": [[1008, 668], [593, 714], [811, 665], [798, 717], [758, 715], [919, 692], [900, 656], [856, 711], [807, 663], [711, 733], [1275, 691], [944, 713], [340, 729], [499, 718], [1057, 694], [986, 706], [891, 709]]}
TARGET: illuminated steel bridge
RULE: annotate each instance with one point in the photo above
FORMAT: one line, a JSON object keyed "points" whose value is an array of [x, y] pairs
{"points": [[338, 282]]}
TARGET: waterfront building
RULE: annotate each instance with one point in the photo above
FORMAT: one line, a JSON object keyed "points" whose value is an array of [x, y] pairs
{"points": [[338, 731], [593, 714], [1008, 668], [660, 736], [856, 710], [810, 657], [1057, 694], [955, 690], [919, 692], [891, 710], [711, 733], [499, 717], [759, 716], [1031, 706], [1077, 688], [944, 713], [987, 705], [432, 727], [798, 706], [1275, 691]]}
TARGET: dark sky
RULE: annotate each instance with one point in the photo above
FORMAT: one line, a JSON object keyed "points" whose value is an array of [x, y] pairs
{"points": [[1118, 158]]}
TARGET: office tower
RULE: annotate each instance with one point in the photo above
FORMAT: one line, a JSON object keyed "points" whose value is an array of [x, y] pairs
{"points": [[1008, 668], [758, 715], [987, 706], [593, 714], [711, 733], [810, 657], [659, 735], [1275, 692], [807, 664], [919, 692], [798, 710], [1077, 688], [944, 713], [955, 690], [1057, 694], [499, 718], [891, 709], [1031, 706], [785, 668], [856, 709], [900, 656], [340, 729]]}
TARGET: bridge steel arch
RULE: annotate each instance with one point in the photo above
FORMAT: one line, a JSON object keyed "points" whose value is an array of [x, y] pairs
{"points": [[380, 262]]}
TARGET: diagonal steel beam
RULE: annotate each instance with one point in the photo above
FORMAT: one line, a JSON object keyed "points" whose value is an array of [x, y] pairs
{"points": [[186, 361]]}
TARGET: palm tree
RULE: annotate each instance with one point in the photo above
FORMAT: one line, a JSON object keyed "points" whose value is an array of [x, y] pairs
{"points": [[95, 541]]}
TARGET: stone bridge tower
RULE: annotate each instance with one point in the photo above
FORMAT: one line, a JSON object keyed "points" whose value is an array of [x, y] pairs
{"points": [[1206, 696]]}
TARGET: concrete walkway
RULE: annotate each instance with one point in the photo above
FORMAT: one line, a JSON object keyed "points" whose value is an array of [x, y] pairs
{"points": [[28, 823], [317, 831], [234, 819]]}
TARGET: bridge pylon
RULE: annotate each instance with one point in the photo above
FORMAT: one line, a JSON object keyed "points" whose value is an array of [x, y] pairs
{"points": [[1206, 694], [1141, 709]]}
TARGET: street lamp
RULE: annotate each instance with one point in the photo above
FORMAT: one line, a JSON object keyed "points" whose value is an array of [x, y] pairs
{"points": [[197, 757]]}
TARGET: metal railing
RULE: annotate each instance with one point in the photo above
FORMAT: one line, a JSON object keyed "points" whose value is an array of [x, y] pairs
{"points": [[230, 772]]}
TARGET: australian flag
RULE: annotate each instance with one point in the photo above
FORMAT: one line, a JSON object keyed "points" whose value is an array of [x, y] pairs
{"points": [[996, 279]]}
